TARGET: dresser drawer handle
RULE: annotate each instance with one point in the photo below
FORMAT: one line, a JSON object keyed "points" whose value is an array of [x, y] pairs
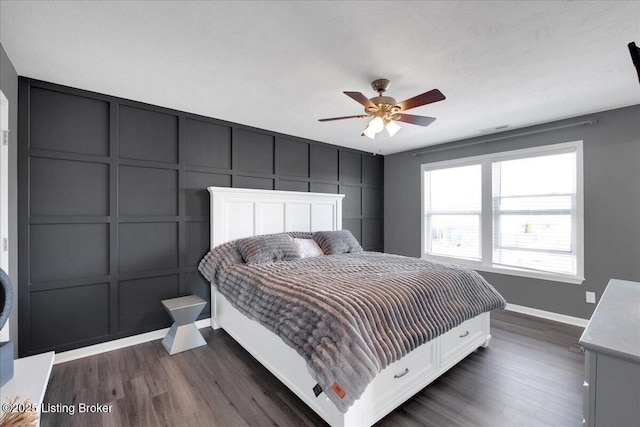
{"points": [[402, 374], [464, 335]]}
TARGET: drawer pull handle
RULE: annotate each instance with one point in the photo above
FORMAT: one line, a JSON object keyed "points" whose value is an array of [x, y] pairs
{"points": [[402, 374], [464, 335]]}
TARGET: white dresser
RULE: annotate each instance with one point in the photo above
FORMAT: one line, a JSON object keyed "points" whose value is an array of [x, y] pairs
{"points": [[612, 358]]}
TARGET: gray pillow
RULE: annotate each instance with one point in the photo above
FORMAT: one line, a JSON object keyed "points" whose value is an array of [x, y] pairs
{"points": [[267, 248], [300, 234], [219, 259], [337, 242]]}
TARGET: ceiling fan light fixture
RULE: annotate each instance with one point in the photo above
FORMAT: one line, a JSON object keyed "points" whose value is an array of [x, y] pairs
{"points": [[376, 125], [392, 127], [369, 132]]}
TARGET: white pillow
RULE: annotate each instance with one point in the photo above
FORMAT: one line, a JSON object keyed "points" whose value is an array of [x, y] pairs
{"points": [[307, 248]]}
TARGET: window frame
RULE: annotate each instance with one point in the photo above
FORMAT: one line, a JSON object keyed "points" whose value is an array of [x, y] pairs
{"points": [[486, 213]]}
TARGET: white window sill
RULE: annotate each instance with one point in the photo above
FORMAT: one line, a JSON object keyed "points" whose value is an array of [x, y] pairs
{"points": [[554, 277]]}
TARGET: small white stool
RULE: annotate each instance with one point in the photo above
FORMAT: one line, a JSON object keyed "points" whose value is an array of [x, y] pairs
{"points": [[183, 334]]}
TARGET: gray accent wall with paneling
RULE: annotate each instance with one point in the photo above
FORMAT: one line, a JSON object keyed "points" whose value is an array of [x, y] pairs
{"points": [[114, 212]]}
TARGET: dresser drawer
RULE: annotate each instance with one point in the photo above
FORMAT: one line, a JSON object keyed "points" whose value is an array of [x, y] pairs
{"points": [[461, 338]]}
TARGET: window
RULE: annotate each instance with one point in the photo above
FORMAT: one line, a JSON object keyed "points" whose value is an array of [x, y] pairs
{"points": [[517, 212], [453, 198]]}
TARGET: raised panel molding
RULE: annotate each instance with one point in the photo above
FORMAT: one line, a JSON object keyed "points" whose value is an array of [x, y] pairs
{"points": [[139, 301], [208, 144], [82, 313], [292, 158], [147, 191], [68, 123], [195, 190], [68, 251], [147, 135], [113, 206], [145, 246], [57, 191], [253, 152], [350, 167], [372, 170], [324, 163], [352, 200], [286, 185]]}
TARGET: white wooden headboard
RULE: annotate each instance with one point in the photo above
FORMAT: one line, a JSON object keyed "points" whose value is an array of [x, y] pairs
{"points": [[241, 212]]}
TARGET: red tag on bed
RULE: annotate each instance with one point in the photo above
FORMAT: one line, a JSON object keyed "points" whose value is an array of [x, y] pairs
{"points": [[339, 391]]}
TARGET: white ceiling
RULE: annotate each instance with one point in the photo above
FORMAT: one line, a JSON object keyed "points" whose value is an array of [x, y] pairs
{"points": [[281, 65]]}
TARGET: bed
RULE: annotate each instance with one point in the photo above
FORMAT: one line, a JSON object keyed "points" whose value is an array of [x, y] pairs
{"points": [[241, 213]]}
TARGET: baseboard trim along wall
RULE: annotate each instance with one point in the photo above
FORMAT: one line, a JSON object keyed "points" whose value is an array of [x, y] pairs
{"points": [[562, 318], [79, 353]]}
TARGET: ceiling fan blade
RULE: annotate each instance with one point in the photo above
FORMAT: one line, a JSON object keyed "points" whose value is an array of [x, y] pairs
{"points": [[414, 120], [359, 116], [433, 95], [357, 96]]}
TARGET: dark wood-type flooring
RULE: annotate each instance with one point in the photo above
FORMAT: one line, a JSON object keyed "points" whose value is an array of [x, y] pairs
{"points": [[530, 375]]}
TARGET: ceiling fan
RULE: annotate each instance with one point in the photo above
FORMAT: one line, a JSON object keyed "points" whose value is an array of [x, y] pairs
{"points": [[385, 111]]}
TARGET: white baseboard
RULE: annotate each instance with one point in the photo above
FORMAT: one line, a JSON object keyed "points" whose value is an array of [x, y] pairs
{"points": [[562, 318], [79, 353]]}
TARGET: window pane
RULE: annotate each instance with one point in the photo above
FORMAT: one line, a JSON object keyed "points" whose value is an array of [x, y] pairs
{"points": [[554, 174], [454, 189], [455, 235], [452, 205], [541, 261], [535, 203], [534, 211], [545, 232]]}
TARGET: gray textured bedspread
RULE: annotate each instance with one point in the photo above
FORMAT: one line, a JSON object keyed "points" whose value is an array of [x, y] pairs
{"points": [[351, 315]]}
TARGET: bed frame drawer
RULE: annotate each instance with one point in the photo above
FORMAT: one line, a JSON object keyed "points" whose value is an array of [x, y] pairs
{"points": [[413, 371], [461, 338], [417, 364]]}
